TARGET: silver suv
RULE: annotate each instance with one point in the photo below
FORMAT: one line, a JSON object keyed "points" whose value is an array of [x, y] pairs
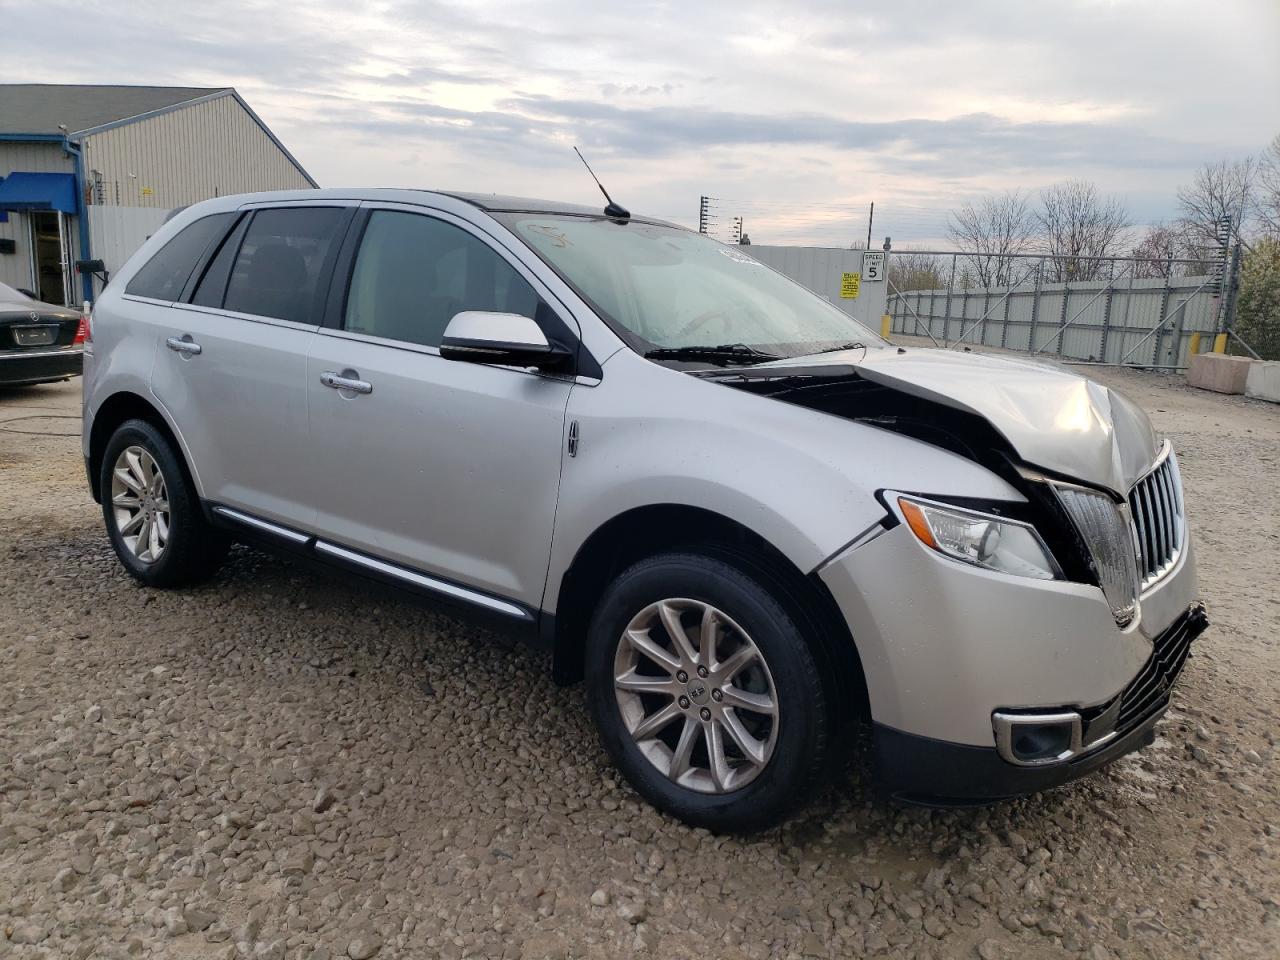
{"points": [[747, 522]]}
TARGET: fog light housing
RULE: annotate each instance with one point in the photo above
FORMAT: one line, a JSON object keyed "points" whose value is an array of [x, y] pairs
{"points": [[1036, 739]]}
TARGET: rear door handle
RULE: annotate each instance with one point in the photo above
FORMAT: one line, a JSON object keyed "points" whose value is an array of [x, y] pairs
{"points": [[184, 345], [340, 382]]}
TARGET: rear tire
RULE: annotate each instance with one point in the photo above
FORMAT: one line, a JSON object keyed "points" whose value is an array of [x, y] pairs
{"points": [[152, 512], [741, 742]]}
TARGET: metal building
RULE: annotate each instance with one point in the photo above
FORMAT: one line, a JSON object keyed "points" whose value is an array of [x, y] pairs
{"points": [[89, 172]]}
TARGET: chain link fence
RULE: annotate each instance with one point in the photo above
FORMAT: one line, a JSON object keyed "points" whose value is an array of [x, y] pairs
{"points": [[1106, 310]]}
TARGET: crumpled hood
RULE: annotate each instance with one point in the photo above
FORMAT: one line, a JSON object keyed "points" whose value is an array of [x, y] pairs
{"points": [[1055, 419]]}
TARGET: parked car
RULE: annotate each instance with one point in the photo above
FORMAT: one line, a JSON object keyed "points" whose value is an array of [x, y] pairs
{"points": [[39, 342], [746, 521]]}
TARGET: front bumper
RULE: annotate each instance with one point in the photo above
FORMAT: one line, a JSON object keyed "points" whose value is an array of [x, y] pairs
{"points": [[18, 367], [937, 772], [944, 645]]}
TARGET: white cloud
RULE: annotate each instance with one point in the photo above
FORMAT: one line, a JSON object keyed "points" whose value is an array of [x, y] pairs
{"points": [[804, 112]]}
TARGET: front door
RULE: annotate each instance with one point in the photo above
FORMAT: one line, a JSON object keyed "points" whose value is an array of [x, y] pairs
{"points": [[50, 257], [450, 468]]}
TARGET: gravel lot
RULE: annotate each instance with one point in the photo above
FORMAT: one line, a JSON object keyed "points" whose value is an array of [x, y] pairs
{"points": [[279, 764]]}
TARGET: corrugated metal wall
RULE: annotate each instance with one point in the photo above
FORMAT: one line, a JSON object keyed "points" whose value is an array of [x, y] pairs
{"points": [[205, 150], [821, 269], [33, 157], [116, 232], [1118, 326]]}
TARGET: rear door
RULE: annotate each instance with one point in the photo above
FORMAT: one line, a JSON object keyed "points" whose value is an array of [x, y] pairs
{"points": [[446, 467], [232, 358]]}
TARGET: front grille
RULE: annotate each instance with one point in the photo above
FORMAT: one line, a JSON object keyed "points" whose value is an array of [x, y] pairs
{"points": [[1156, 679], [1156, 505], [1151, 687]]}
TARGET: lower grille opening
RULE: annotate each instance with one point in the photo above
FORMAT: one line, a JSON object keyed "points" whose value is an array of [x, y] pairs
{"points": [[1151, 687]]}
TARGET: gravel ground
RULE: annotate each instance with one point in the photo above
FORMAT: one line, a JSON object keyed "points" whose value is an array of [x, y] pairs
{"points": [[279, 764]]}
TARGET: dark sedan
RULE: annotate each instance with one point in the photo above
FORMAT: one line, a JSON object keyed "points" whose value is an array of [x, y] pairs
{"points": [[39, 342]]}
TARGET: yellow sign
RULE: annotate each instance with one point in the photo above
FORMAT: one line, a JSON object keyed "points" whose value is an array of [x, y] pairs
{"points": [[147, 191], [849, 283]]}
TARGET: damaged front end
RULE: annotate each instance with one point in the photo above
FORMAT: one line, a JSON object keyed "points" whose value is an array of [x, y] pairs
{"points": [[1072, 447]]}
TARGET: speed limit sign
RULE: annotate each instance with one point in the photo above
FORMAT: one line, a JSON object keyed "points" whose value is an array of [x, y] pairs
{"points": [[872, 266]]}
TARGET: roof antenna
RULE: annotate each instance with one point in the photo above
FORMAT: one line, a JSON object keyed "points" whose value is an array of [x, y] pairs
{"points": [[613, 210]]}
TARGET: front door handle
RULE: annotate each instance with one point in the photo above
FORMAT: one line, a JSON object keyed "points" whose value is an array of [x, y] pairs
{"points": [[184, 345], [342, 381]]}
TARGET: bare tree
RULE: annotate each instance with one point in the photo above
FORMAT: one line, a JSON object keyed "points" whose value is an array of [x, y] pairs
{"points": [[1268, 203], [916, 271], [1221, 189], [992, 229], [1155, 251], [1076, 224]]}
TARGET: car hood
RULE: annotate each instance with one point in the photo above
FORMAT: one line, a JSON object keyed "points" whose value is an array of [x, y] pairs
{"points": [[1054, 419]]}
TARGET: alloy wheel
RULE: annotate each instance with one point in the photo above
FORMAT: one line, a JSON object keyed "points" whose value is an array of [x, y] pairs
{"points": [[140, 501], [696, 695]]}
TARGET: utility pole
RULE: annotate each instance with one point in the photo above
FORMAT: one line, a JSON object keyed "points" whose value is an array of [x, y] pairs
{"points": [[703, 209], [870, 219]]}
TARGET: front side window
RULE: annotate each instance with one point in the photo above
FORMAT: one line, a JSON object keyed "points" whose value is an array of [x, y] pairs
{"points": [[666, 289], [414, 273], [279, 265], [166, 273]]}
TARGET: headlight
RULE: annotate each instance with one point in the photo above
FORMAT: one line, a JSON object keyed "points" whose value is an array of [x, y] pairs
{"points": [[996, 543], [1112, 542]]}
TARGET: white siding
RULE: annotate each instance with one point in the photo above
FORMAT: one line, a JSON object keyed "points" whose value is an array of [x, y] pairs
{"points": [[205, 150], [30, 157], [116, 232]]}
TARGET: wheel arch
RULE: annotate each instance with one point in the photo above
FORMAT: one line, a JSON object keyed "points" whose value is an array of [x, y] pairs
{"points": [[115, 410], [658, 528]]}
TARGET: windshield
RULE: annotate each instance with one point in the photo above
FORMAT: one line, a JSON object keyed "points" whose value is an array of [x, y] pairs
{"points": [[678, 295]]}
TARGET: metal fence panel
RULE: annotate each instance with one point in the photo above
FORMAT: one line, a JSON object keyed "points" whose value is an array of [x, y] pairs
{"points": [[1120, 314], [821, 269], [116, 232]]}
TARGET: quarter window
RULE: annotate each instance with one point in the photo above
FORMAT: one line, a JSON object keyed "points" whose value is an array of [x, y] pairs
{"points": [[165, 274], [212, 286], [278, 269], [414, 273]]}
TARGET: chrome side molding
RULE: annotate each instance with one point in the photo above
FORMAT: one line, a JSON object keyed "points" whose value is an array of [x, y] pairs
{"points": [[407, 576], [423, 581], [266, 526]]}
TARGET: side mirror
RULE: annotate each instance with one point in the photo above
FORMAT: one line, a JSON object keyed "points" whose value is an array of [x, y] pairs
{"points": [[505, 339]]}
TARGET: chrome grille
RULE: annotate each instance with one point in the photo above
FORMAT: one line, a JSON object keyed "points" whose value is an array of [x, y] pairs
{"points": [[1156, 505], [1108, 535]]}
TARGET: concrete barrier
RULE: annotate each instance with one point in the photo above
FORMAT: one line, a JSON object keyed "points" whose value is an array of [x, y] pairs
{"points": [[1263, 382], [1218, 372]]}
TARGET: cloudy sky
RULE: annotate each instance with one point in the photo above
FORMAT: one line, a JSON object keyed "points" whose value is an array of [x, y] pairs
{"points": [[796, 114]]}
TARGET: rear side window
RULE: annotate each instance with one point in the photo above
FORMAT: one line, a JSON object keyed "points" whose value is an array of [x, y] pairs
{"points": [[213, 285], [166, 273], [278, 269], [413, 273]]}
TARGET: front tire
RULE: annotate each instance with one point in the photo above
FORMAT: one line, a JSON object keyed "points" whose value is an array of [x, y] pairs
{"points": [[706, 693], [152, 511]]}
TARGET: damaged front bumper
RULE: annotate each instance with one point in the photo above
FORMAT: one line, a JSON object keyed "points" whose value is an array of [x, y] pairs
{"points": [[953, 654], [936, 772]]}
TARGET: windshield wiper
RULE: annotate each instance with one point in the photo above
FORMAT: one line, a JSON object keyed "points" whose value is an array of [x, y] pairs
{"points": [[725, 354], [855, 345]]}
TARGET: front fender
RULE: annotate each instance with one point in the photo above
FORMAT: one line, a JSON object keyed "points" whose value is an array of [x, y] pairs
{"points": [[802, 480]]}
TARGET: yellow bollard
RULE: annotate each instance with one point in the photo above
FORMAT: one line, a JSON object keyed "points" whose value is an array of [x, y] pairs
{"points": [[1220, 343], [1194, 346], [885, 323]]}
